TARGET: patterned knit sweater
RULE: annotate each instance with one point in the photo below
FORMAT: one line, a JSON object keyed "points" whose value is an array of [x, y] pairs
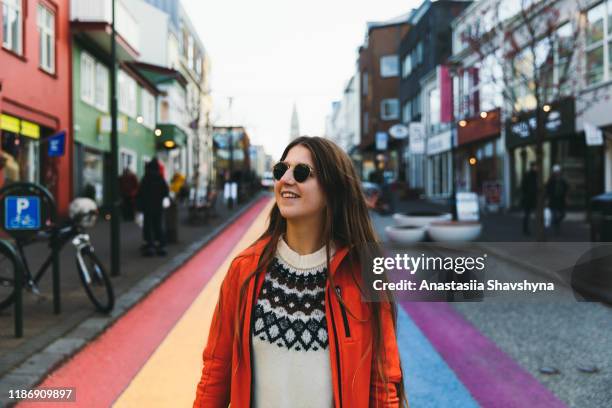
{"points": [[291, 366]]}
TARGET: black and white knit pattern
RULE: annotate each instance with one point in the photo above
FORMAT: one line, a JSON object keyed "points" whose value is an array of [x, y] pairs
{"points": [[291, 361], [290, 309]]}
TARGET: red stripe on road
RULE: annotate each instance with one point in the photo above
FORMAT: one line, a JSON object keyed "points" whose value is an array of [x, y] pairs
{"points": [[105, 367]]}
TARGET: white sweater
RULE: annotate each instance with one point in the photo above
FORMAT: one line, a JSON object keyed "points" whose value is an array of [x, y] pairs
{"points": [[291, 363]]}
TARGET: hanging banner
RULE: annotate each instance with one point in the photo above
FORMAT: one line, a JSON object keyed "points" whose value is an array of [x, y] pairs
{"points": [[593, 135], [382, 139], [57, 144], [417, 138]]}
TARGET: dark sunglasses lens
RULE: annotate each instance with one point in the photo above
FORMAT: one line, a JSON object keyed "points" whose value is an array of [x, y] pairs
{"points": [[301, 172], [279, 170]]}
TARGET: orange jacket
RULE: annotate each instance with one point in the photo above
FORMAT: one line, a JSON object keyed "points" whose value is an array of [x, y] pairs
{"points": [[224, 380]]}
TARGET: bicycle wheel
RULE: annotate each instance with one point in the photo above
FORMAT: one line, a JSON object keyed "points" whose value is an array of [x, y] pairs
{"points": [[96, 282]]}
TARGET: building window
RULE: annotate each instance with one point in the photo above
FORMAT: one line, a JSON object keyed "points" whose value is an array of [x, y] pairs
{"points": [[127, 94], [101, 97], [598, 37], [46, 39], [389, 66], [389, 109], [407, 112], [12, 25], [190, 52], [366, 121], [416, 107], [88, 65], [364, 83], [434, 107], [148, 109], [407, 65]]}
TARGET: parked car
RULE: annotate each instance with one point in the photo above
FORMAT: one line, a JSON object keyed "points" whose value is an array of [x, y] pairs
{"points": [[267, 181]]}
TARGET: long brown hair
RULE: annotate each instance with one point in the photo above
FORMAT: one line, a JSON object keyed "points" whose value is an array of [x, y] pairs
{"points": [[346, 224]]}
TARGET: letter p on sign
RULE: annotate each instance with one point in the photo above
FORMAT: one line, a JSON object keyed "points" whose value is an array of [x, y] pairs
{"points": [[22, 204]]}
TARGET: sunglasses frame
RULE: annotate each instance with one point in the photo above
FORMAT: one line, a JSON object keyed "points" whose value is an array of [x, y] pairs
{"points": [[311, 171]]}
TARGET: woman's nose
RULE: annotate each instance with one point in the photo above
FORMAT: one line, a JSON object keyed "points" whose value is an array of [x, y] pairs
{"points": [[288, 177]]}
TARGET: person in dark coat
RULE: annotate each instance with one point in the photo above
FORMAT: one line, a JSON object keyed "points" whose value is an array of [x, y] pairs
{"points": [[153, 189], [556, 192], [529, 195]]}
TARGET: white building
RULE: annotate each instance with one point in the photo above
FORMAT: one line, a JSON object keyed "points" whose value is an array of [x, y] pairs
{"points": [[342, 124]]}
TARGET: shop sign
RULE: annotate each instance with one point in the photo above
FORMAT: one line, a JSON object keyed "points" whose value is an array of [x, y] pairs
{"points": [[439, 143], [9, 123], [30, 129], [467, 206], [593, 135], [492, 191], [560, 120], [56, 145], [417, 138], [105, 124], [399, 131], [382, 139]]}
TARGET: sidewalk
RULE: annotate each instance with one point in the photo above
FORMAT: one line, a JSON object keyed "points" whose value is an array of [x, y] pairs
{"points": [[42, 327]]}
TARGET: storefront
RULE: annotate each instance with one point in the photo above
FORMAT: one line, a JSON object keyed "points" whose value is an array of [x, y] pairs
{"points": [[479, 157], [20, 145], [582, 166], [439, 165]]}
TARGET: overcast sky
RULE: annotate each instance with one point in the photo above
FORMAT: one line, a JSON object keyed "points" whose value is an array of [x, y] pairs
{"points": [[269, 54]]}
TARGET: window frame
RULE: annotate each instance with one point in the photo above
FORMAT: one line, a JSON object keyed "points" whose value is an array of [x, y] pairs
{"points": [[7, 40], [90, 98], [103, 106], [604, 43], [388, 72], [47, 36], [128, 98], [147, 108], [386, 103]]}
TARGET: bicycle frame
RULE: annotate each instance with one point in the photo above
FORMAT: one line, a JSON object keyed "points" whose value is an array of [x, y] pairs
{"points": [[61, 236]]}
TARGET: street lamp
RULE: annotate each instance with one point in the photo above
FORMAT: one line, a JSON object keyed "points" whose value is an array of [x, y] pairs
{"points": [[114, 193]]}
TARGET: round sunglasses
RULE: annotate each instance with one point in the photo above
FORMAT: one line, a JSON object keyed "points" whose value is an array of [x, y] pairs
{"points": [[301, 171]]}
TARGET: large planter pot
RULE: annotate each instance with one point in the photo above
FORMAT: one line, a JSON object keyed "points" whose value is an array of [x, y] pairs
{"points": [[454, 231], [405, 235], [420, 218]]}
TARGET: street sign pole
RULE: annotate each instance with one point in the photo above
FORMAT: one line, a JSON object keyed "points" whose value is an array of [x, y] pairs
{"points": [[114, 193]]}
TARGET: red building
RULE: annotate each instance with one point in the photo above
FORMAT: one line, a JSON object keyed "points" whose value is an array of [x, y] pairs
{"points": [[35, 93]]}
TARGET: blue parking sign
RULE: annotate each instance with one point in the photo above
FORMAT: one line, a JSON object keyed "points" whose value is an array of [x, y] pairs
{"points": [[22, 213]]}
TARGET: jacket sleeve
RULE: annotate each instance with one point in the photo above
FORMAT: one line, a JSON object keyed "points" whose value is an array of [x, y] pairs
{"points": [[385, 395], [213, 389]]}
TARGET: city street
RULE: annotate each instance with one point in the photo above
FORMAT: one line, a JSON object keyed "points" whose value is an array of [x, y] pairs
{"points": [[461, 354]]}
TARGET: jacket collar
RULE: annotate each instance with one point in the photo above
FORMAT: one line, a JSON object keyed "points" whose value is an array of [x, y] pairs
{"points": [[258, 247]]}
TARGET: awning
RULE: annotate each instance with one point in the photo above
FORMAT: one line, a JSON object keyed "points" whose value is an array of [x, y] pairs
{"points": [[169, 136], [19, 126]]}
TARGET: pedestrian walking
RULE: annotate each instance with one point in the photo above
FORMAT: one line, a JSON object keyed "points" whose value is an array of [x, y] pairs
{"points": [[128, 187], [556, 192], [151, 193], [290, 327], [529, 195]]}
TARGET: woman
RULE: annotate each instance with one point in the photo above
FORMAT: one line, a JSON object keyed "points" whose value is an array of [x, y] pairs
{"points": [[290, 328]]}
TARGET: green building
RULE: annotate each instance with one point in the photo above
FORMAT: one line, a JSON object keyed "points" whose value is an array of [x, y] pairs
{"points": [[136, 97]]}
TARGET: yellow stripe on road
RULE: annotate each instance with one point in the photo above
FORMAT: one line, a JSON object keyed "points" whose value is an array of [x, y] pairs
{"points": [[170, 376]]}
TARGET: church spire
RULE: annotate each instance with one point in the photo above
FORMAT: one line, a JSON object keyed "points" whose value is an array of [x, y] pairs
{"points": [[295, 124]]}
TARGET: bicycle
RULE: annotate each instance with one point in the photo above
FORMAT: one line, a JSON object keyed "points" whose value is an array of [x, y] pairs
{"points": [[94, 278]]}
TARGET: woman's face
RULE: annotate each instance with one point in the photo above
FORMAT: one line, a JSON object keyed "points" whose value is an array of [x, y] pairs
{"points": [[299, 200]]}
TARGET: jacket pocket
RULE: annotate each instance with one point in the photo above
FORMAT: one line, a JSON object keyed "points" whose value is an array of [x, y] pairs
{"points": [[347, 329]]}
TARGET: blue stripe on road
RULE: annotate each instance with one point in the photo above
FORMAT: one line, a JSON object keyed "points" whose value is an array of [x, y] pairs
{"points": [[428, 380]]}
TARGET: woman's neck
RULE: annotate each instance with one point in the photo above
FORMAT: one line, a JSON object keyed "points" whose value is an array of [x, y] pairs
{"points": [[304, 236]]}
